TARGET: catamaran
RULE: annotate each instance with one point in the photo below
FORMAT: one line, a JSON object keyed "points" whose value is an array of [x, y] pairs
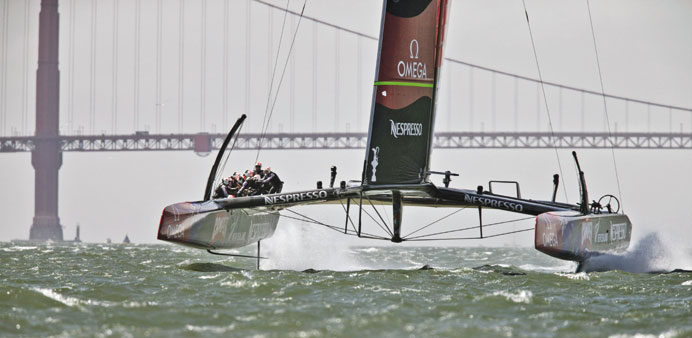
{"points": [[396, 169]]}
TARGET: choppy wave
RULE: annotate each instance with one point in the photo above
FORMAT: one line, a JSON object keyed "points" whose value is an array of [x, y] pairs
{"points": [[651, 254], [328, 290]]}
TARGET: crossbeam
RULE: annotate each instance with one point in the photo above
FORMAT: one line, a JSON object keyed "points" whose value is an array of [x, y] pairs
{"points": [[297, 141]]}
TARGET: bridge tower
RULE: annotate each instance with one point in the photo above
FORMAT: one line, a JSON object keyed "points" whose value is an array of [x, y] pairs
{"points": [[46, 158]]}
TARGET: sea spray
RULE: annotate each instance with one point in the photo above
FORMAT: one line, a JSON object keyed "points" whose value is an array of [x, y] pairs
{"points": [[297, 246], [650, 254]]}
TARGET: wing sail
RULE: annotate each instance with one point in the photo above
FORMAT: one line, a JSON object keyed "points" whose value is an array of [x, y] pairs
{"points": [[402, 115]]}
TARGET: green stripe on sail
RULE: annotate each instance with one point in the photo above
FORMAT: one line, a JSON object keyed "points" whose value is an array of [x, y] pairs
{"points": [[401, 83]]}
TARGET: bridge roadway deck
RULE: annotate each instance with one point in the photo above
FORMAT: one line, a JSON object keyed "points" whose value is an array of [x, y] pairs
{"points": [[204, 142]]}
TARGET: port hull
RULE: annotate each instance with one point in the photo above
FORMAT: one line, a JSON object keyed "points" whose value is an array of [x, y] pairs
{"points": [[573, 236]]}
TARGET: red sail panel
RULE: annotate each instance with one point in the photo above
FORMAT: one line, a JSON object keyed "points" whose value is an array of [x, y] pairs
{"points": [[402, 116]]}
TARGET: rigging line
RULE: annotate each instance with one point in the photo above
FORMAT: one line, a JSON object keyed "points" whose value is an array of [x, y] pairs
{"points": [[384, 221], [363, 234], [468, 238], [347, 215], [545, 101], [271, 82], [228, 156], [309, 220], [605, 108], [386, 226], [369, 236], [281, 80], [335, 228], [431, 223], [373, 219], [471, 228]]}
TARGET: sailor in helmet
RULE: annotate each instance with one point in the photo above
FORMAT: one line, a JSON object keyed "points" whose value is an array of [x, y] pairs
{"points": [[258, 169], [251, 185], [271, 182], [223, 190]]}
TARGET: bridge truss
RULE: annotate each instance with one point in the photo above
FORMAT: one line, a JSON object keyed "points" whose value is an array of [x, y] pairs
{"points": [[204, 142]]}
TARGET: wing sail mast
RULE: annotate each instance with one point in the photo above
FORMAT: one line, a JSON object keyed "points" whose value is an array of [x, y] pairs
{"points": [[212, 175]]}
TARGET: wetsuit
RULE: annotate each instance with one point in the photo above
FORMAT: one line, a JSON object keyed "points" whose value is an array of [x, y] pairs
{"points": [[221, 191], [259, 172], [274, 182], [250, 187]]}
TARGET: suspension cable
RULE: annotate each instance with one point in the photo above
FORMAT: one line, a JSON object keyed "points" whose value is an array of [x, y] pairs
{"points": [[276, 62], [545, 101], [281, 80], [605, 108], [374, 38]]}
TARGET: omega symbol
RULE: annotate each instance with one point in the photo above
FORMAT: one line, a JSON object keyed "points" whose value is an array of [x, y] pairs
{"points": [[411, 49]]}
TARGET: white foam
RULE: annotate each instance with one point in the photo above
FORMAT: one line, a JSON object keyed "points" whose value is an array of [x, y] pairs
{"points": [[208, 277], [523, 296], [210, 329], [667, 334], [687, 283], [650, 254], [18, 248], [300, 247], [575, 276], [66, 300]]}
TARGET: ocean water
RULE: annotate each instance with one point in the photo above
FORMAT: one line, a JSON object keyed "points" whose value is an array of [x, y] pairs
{"points": [[104, 290]]}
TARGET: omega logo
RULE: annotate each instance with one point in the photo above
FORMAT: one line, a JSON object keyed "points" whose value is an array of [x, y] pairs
{"points": [[412, 69], [410, 49]]}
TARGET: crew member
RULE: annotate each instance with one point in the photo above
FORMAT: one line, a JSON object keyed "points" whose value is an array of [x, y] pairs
{"points": [[258, 169], [222, 191], [251, 186], [272, 182]]}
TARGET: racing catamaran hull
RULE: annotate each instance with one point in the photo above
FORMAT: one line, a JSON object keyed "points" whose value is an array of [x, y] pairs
{"points": [[208, 225], [572, 236]]}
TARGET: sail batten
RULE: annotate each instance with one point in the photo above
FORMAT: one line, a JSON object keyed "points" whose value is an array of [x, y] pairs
{"points": [[402, 114]]}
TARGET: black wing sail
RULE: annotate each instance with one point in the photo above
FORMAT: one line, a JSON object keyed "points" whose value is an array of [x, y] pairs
{"points": [[403, 111]]}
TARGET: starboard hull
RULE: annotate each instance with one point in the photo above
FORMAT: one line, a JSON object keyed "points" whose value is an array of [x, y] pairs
{"points": [[576, 237], [205, 225]]}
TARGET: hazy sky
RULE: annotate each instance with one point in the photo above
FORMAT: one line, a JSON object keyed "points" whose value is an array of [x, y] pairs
{"points": [[645, 50]]}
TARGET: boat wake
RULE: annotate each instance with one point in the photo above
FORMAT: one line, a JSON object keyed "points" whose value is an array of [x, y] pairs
{"points": [[304, 247], [649, 255]]}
